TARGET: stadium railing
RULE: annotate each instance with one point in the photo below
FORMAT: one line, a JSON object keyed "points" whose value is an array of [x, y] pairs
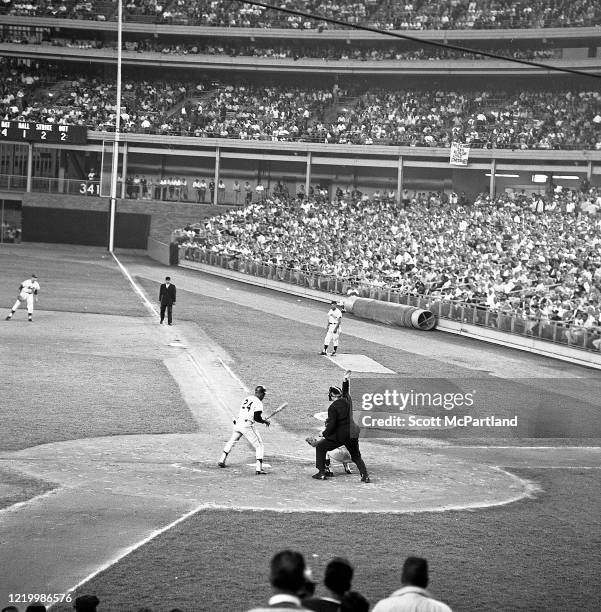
{"points": [[13, 182], [155, 191], [557, 332]]}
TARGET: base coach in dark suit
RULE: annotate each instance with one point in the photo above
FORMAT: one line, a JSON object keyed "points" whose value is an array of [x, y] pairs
{"points": [[340, 430], [167, 299]]}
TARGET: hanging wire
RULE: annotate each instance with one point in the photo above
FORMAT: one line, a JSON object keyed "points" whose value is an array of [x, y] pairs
{"points": [[422, 41]]}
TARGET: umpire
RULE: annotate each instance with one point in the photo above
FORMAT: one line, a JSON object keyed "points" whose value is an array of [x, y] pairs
{"points": [[340, 430], [167, 300]]}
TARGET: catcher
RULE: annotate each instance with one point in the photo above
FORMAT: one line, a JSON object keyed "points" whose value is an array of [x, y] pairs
{"points": [[341, 455], [340, 430]]}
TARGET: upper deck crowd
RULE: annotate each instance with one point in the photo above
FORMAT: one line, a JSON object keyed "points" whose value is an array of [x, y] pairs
{"points": [[527, 119], [383, 14]]}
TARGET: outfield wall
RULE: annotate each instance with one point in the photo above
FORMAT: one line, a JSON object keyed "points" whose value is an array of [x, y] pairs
{"points": [[61, 218]]}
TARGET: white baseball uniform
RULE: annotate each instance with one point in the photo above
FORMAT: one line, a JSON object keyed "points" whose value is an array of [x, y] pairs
{"points": [[27, 290], [334, 321], [244, 425]]}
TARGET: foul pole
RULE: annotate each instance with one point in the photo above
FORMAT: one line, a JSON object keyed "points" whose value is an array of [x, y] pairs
{"points": [[115, 165]]}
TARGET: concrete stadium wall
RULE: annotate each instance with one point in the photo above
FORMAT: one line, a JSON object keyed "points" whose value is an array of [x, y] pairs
{"points": [[87, 227], [532, 345], [163, 218], [159, 251]]}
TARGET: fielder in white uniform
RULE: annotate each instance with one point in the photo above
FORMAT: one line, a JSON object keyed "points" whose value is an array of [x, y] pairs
{"points": [[244, 425], [332, 329], [28, 292]]}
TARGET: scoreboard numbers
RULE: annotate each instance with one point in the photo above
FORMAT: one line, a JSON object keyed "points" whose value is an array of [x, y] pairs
{"points": [[25, 131]]}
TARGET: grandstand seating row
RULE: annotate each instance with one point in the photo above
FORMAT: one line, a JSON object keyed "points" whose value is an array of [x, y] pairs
{"points": [[486, 119], [384, 14], [535, 257], [233, 48]]}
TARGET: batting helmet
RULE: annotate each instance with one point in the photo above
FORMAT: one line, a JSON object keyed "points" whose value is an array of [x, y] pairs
{"points": [[260, 389]]}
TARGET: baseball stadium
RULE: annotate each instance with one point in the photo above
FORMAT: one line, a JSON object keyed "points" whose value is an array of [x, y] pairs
{"points": [[241, 239]]}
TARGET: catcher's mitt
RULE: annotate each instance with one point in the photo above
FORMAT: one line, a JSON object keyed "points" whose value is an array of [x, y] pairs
{"points": [[311, 440]]}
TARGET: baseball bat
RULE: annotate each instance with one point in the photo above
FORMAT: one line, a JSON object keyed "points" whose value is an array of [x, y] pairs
{"points": [[278, 409]]}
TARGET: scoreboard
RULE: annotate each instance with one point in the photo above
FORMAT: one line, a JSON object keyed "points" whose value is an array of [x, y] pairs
{"points": [[25, 131]]}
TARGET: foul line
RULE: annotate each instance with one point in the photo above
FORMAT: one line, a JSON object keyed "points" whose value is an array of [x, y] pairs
{"points": [[17, 506], [207, 382], [232, 374], [137, 289], [154, 311], [135, 546], [195, 510]]}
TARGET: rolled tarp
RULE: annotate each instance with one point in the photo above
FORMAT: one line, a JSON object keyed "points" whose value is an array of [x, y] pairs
{"points": [[390, 313]]}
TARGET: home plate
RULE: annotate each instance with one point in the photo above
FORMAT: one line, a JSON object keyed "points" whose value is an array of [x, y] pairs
{"points": [[359, 363]]}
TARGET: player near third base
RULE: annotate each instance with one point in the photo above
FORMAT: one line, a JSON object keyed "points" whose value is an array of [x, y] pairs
{"points": [[332, 329], [244, 425], [28, 292]]}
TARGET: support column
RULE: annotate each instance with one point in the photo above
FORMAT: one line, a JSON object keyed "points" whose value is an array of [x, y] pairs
{"points": [[492, 185], [589, 171], [399, 180], [308, 173], [29, 166], [124, 173], [101, 177], [216, 179]]}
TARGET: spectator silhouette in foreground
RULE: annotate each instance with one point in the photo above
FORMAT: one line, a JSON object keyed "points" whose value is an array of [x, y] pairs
{"points": [[412, 596], [337, 580], [354, 602], [288, 579], [86, 603]]}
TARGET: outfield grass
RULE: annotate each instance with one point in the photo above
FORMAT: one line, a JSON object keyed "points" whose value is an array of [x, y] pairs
{"points": [[539, 554], [69, 377], [68, 397], [72, 279]]}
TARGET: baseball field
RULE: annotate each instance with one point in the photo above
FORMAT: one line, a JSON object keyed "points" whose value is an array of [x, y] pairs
{"points": [[112, 425]]}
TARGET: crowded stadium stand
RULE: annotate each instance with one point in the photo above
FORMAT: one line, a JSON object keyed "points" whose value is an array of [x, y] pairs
{"points": [[489, 166], [386, 14], [558, 119], [536, 258]]}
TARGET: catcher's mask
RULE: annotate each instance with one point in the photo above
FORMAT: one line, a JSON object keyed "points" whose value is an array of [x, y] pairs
{"points": [[334, 392]]}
